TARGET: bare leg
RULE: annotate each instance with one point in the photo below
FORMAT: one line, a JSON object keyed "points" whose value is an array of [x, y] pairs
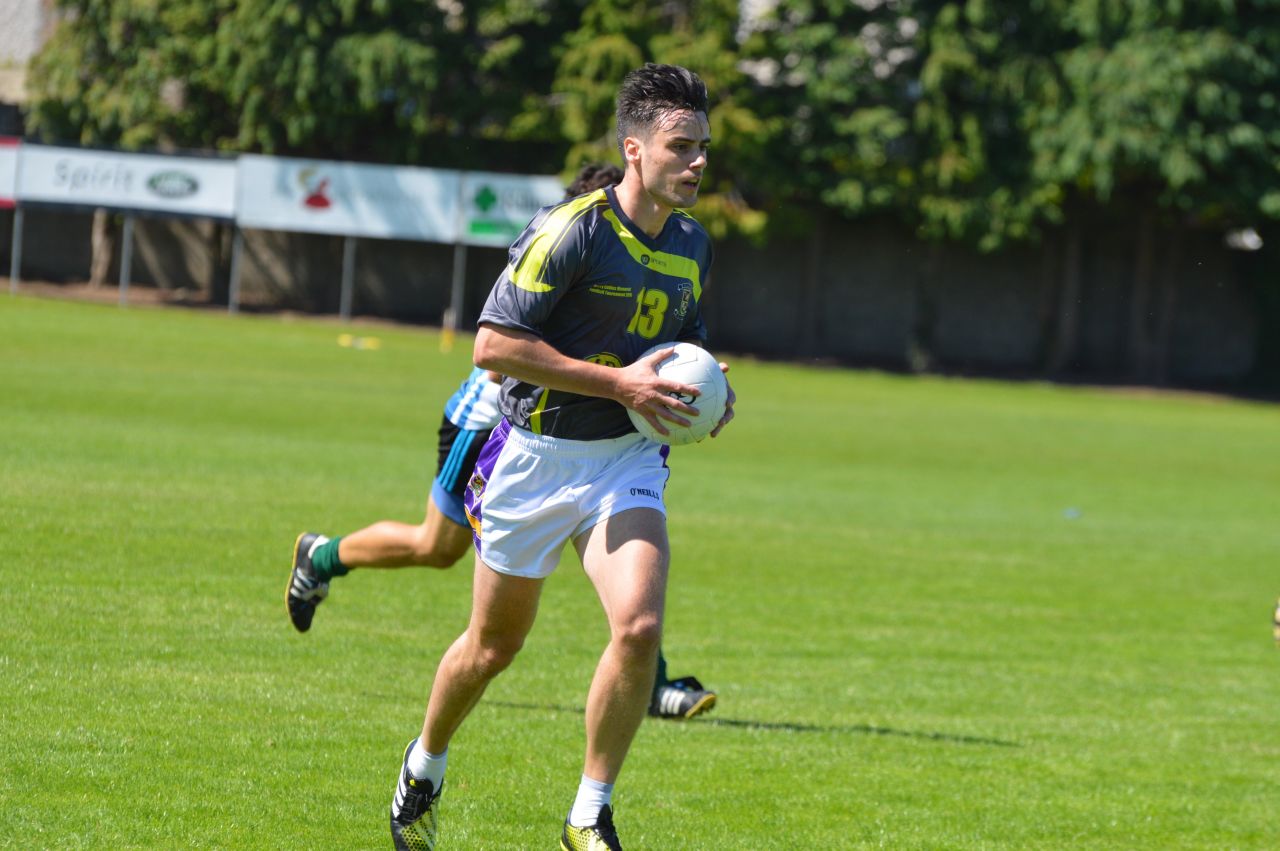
{"points": [[502, 613], [626, 558], [436, 542]]}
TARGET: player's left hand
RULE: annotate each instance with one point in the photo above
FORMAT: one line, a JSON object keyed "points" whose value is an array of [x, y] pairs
{"points": [[728, 405]]}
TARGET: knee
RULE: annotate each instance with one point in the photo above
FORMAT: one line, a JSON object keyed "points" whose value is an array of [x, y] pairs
{"points": [[435, 558], [640, 635], [431, 552], [493, 656]]}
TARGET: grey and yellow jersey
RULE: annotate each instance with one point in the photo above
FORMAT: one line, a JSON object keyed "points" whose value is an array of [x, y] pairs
{"points": [[591, 284]]}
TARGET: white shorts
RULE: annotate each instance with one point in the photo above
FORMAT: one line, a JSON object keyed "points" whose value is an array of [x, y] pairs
{"points": [[530, 494]]}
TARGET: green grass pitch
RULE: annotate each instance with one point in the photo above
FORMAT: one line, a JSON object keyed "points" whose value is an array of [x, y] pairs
{"points": [[939, 613]]}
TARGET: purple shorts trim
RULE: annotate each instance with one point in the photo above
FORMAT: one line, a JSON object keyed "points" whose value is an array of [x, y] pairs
{"points": [[480, 477]]}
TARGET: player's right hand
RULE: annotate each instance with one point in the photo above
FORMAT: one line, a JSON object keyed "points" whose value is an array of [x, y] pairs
{"points": [[655, 398]]}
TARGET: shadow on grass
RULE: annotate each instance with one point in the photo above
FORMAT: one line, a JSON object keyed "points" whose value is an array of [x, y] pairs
{"points": [[792, 727]]}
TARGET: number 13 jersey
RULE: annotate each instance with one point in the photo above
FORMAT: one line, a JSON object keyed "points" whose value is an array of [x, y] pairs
{"points": [[590, 283]]}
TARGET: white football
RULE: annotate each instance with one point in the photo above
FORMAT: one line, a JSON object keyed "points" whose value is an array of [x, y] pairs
{"points": [[695, 366]]}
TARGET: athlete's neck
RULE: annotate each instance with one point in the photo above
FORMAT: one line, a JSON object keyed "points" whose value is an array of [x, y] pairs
{"points": [[649, 214]]}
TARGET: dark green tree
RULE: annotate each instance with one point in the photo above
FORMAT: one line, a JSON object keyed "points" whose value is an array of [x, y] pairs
{"points": [[615, 37], [909, 108], [132, 74], [1179, 105], [1166, 119], [990, 122], [399, 81]]}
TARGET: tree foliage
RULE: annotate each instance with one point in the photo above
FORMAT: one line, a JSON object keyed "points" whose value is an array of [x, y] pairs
{"points": [[1167, 103], [978, 121], [407, 81], [132, 73], [614, 37]]}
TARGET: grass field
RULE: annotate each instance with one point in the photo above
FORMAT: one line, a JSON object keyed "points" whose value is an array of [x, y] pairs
{"points": [[939, 613]]}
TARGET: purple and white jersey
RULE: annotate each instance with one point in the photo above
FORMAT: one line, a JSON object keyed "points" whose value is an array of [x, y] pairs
{"points": [[594, 286]]}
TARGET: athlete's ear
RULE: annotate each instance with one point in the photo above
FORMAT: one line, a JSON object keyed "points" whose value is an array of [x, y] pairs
{"points": [[631, 150]]}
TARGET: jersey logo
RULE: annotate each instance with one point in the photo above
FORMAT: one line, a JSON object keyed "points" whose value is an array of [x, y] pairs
{"points": [[685, 289], [606, 359]]}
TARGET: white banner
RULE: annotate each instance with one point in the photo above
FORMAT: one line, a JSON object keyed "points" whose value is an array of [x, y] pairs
{"points": [[188, 186], [320, 196], [496, 207], [8, 170]]}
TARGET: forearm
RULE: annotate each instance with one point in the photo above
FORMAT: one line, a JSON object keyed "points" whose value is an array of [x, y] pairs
{"points": [[528, 358]]}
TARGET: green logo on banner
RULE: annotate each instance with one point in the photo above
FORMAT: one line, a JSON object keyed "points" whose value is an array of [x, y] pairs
{"points": [[485, 199]]}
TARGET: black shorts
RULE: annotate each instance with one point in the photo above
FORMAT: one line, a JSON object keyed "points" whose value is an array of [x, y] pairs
{"points": [[457, 451]]}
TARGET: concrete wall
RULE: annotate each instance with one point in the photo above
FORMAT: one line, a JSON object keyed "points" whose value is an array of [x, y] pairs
{"points": [[882, 298]]}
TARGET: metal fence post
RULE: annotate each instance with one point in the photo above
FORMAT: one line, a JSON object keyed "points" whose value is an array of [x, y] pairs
{"points": [[126, 260], [233, 289], [348, 277], [15, 257]]}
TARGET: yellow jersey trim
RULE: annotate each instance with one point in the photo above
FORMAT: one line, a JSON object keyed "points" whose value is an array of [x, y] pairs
{"points": [[535, 418], [659, 261], [530, 275]]}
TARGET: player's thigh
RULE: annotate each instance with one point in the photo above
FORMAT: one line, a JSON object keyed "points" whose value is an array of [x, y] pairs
{"points": [[503, 607], [443, 535], [626, 557]]}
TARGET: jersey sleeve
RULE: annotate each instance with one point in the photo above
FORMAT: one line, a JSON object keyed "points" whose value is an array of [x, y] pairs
{"points": [[543, 264]]}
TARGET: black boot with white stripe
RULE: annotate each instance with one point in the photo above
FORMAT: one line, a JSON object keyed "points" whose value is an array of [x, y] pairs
{"points": [[305, 590], [413, 810], [682, 698]]}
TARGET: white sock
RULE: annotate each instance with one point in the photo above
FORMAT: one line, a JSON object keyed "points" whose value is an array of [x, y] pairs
{"points": [[427, 766], [592, 796]]}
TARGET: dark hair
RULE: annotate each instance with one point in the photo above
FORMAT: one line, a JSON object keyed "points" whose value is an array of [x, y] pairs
{"points": [[591, 177], [652, 91]]}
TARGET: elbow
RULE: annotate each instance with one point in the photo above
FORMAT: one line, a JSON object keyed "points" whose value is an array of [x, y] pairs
{"points": [[484, 354], [482, 350]]}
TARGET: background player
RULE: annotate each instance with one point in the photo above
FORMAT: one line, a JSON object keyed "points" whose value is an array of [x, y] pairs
{"points": [[444, 535]]}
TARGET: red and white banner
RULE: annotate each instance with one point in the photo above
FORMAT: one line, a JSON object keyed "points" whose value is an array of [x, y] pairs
{"points": [[8, 170], [349, 199]]}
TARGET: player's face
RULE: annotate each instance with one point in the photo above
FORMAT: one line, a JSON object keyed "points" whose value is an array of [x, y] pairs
{"points": [[673, 156]]}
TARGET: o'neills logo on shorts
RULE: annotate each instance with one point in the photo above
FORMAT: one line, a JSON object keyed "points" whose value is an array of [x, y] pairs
{"points": [[645, 492]]}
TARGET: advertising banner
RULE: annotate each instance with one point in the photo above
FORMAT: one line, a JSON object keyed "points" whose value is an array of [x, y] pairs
{"points": [[351, 199], [8, 171], [184, 186], [496, 207]]}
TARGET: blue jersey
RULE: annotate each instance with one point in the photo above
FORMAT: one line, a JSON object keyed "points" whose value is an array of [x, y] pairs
{"points": [[593, 285], [474, 406]]}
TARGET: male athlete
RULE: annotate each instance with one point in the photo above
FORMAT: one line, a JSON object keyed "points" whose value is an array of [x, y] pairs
{"points": [[444, 535], [592, 283]]}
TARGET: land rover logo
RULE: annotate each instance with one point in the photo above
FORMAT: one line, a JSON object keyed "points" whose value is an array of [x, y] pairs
{"points": [[173, 184]]}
